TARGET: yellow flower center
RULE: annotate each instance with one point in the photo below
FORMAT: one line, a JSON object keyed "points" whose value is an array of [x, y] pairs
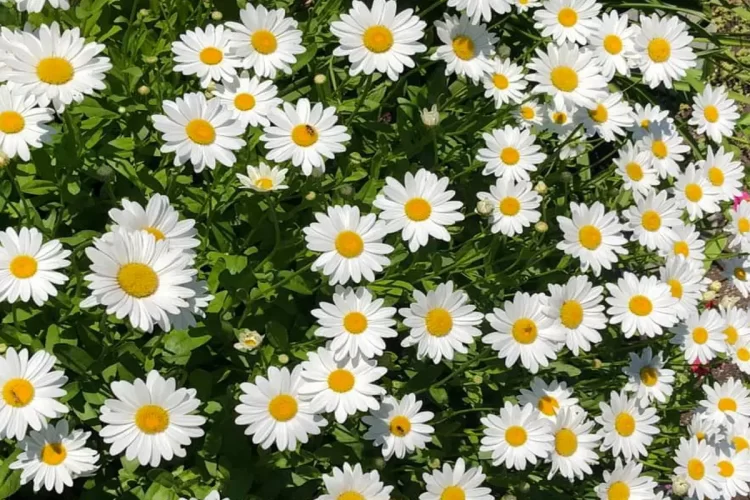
{"points": [[634, 171], [23, 266], [659, 149], [55, 70], [740, 443], [524, 331], [727, 404], [355, 322], [740, 274], [711, 113], [743, 225], [137, 280], [693, 192], [625, 424], [566, 442], [613, 44], [53, 454], [600, 114], [453, 493], [649, 376], [341, 380], [716, 176], [726, 469], [156, 233], [349, 244], [244, 101], [350, 495], [700, 435], [264, 183], [548, 405], [18, 392], [743, 354], [211, 56], [640, 305], [510, 156], [11, 122], [618, 491], [559, 117], [418, 209], [400, 426], [515, 435], [378, 39], [731, 335], [651, 220], [509, 206], [527, 112], [700, 335], [152, 419], [567, 17], [676, 287], [264, 41], [500, 81], [571, 314], [589, 237], [438, 322], [463, 47], [304, 135], [564, 78], [695, 468], [645, 123], [659, 50], [201, 132], [282, 408], [681, 248]]}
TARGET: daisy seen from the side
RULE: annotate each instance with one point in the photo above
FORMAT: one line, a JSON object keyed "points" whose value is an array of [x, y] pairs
{"points": [[693, 192], [737, 271], [263, 179], [737, 325], [577, 312], [609, 117], [666, 148], [723, 173], [687, 283], [686, 242]]}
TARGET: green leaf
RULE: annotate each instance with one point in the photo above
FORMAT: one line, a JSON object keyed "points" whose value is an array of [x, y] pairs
{"points": [[73, 357], [10, 480]]}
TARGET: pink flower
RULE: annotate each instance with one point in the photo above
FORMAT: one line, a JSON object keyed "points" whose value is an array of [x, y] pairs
{"points": [[739, 199], [699, 369]]}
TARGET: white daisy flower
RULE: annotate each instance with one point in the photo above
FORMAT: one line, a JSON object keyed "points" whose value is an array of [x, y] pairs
{"points": [[202, 132], [249, 99], [740, 353], [693, 192], [515, 206], [517, 436], [307, 135], [379, 39], [521, 330], [342, 387], [625, 482], [649, 119], [634, 166], [351, 244], [206, 55], [723, 173], [351, 483], [151, 420], [525, 5], [356, 323], [263, 179], [612, 42], [28, 267], [505, 83], [266, 40], [54, 457], [641, 305], [737, 434], [529, 114], [727, 403], [737, 270], [456, 483], [577, 312], [685, 243], [466, 48], [38, 5], [734, 469], [652, 219], [420, 208], [22, 123], [648, 378], [568, 74], [29, 392], [574, 445], [663, 47], [248, 340], [189, 316], [559, 120], [510, 152], [593, 236], [567, 20], [608, 117], [665, 147], [134, 275], [703, 428], [56, 68], [737, 325], [273, 412], [697, 463], [701, 336], [627, 429], [739, 227], [687, 282], [548, 399], [480, 10], [398, 426], [714, 113]]}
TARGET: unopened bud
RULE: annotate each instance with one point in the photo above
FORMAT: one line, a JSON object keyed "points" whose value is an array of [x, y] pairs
{"points": [[379, 463], [310, 196], [430, 117], [566, 177], [524, 488], [143, 12], [105, 172], [144, 90], [540, 187], [727, 302], [715, 286], [680, 486], [122, 110], [541, 227], [248, 340], [283, 359], [597, 363], [485, 208], [477, 379], [217, 16], [346, 190], [709, 295], [320, 79], [150, 59], [435, 463]]}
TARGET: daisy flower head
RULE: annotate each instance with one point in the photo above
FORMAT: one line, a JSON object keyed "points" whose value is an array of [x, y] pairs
{"points": [[641, 305], [456, 482], [307, 135], [352, 483], [529, 114], [663, 48], [739, 227], [466, 48], [567, 20], [652, 218], [648, 378], [593, 236], [609, 117], [740, 354], [548, 399], [727, 403], [714, 113], [480, 10], [356, 322], [526, 5], [723, 173], [612, 42], [29, 267], [54, 456], [697, 463], [687, 283], [703, 428], [38, 5], [737, 270], [263, 179], [274, 413], [626, 482], [249, 99], [701, 336], [505, 83], [573, 452], [399, 427], [351, 244], [522, 331], [441, 323], [649, 119], [515, 206], [510, 152], [199, 131], [57, 68], [693, 191], [189, 316], [634, 167], [22, 123], [266, 40], [734, 469], [150, 420], [206, 55], [577, 312], [29, 390], [686, 242], [420, 208], [342, 387], [379, 39], [558, 119], [737, 325], [627, 429], [665, 147], [516, 437], [737, 434], [568, 74]]}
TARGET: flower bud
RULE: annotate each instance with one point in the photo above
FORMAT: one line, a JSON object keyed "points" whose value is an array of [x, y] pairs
{"points": [[217, 16], [144, 12], [283, 359], [524, 488], [477, 379], [150, 59], [346, 190], [597, 363], [122, 110], [541, 227], [430, 117], [320, 79], [566, 177], [248, 340], [310, 196], [709, 295], [485, 208], [540, 187], [715, 286], [680, 486], [144, 90], [105, 173], [728, 302], [435, 463]]}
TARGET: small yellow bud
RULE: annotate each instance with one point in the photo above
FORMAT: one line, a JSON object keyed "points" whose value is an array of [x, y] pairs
{"points": [[310, 196], [709, 295], [541, 227], [283, 359], [715, 286], [540, 187], [597, 363], [150, 59], [217, 16], [144, 90], [320, 79]]}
